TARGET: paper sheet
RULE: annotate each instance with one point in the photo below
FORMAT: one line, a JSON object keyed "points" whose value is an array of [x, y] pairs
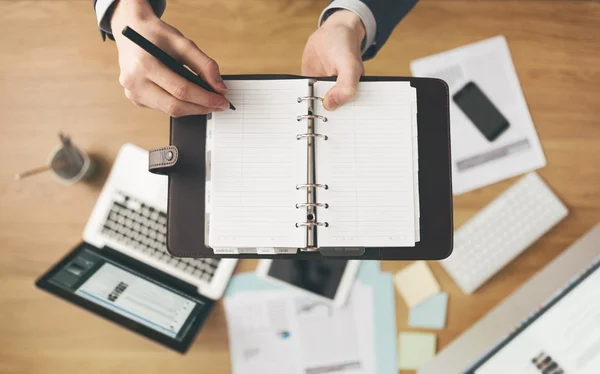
{"points": [[477, 162], [368, 164], [275, 331], [256, 163]]}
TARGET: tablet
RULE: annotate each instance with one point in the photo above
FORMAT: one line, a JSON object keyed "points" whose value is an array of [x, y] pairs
{"points": [[129, 293], [328, 280]]}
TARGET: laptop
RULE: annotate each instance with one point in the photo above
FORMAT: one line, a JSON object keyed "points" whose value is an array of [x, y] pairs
{"points": [[551, 325], [122, 270]]}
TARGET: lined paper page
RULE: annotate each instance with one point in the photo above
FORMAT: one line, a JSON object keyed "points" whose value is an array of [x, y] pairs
{"points": [[367, 162], [256, 163]]}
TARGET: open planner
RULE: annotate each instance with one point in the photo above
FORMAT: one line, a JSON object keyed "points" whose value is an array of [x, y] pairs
{"points": [[282, 173], [281, 176]]}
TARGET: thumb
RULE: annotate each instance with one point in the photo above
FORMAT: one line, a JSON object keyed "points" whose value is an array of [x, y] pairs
{"points": [[345, 87]]}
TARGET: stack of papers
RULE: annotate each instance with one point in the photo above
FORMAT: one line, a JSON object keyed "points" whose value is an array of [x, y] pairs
{"points": [[274, 329]]}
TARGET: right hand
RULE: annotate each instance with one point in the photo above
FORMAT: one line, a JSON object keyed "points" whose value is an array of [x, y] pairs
{"points": [[147, 82]]}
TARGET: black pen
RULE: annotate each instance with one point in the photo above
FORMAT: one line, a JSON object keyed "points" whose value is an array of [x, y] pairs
{"points": [[167, 60]]}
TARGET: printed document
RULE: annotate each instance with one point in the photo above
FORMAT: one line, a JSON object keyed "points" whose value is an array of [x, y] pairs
{"points": [[476, 161], [274, 332]]}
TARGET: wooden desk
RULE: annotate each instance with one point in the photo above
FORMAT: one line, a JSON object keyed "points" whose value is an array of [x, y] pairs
{"points": [[56, 74]]}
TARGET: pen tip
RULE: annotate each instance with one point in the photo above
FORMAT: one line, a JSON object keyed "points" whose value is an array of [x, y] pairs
{"points": [[231, 106]]}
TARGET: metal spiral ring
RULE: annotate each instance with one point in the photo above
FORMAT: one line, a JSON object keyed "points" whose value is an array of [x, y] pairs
{"points": [[323, 224], [302, 98], [322, 118], [322, 205], [306, 185], [300, 136]]}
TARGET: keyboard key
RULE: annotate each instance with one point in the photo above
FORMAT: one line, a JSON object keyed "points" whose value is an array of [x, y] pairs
{"points": [[119, 197], [133, 204], [189, 269]]}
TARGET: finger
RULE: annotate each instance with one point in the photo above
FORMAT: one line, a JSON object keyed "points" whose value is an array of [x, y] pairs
{"points": [[188, 52], [181, 88], [346, 85], [131, 96], [155, 97]]}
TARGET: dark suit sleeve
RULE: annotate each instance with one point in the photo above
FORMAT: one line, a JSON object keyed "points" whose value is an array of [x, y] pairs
{"points": [[380, 17], [387, 13]]}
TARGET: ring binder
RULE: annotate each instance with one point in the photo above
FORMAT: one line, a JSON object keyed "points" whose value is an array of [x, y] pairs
{"points": [[324, 205], [301, 98], [309, 185], [312, 224], [300, 136], [305, 116]]}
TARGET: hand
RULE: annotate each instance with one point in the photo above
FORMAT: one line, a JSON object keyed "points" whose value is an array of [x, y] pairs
{"points": [[147, 82], [334, 49]]}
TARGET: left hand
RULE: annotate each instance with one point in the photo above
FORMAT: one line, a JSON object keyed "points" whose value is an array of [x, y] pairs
{"points": [[334, 49]]}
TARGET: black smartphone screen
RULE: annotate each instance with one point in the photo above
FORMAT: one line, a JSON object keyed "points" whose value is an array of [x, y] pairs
{"points": [[322, 277], [481, 111]]}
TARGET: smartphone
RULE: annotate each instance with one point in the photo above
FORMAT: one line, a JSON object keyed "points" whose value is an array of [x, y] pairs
{"points": [[328, 280], [481, 111]]}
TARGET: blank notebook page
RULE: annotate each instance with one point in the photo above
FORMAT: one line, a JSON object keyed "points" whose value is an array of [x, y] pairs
{"points": [[367, 162], [256, 163]]}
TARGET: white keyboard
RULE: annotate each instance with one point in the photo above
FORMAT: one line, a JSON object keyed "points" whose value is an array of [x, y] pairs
{"points": [[502, 230]]}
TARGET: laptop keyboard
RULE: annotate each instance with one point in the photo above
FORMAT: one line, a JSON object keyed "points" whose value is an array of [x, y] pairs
{"points": [[144, 229]]}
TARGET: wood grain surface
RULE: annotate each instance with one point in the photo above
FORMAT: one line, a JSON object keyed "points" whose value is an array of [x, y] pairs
{"points": [[57, 75]]}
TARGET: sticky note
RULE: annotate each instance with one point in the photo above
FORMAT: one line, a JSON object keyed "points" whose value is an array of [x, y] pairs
{"points": [[415, 349], [416, 283], [431, 313]]}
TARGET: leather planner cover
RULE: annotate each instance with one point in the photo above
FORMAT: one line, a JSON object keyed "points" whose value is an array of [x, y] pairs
{"points": [[184, 163]]}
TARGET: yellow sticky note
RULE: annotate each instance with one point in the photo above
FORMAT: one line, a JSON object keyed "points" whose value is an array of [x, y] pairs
{"points": [[416, 283], [415, 349]]}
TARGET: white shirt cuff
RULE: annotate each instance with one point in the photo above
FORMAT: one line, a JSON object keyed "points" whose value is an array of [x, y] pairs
{"points": [[361, 10], [102, 7]]}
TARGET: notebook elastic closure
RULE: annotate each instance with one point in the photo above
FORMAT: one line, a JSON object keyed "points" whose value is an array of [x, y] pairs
{"points": [[163, 160]]}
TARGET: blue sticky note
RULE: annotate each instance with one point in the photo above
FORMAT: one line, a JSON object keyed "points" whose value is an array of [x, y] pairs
{"points": [[431, 313]]}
